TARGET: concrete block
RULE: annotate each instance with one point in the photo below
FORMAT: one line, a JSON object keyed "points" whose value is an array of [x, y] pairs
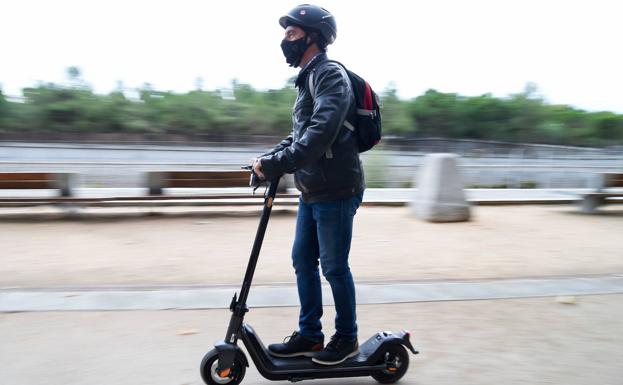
{"points": [[440, 196], [155, 182], [65, 182], [590, 202]]}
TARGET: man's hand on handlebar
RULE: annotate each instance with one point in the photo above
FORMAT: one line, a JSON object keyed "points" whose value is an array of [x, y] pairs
{"points": [[257, 177], [257, 168]]}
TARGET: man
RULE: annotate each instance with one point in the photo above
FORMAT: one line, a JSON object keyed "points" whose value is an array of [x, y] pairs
{"points": [[324, 157]]}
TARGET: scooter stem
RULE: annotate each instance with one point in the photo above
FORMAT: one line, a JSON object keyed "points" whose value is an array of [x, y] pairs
{"points": [[240, 307]]}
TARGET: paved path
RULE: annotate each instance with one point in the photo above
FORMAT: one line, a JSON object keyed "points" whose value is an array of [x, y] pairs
{"points": [[511, 342], [185, 298]]}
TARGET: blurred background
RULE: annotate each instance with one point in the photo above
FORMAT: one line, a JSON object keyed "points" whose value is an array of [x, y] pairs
{"points": [[526, 93]]}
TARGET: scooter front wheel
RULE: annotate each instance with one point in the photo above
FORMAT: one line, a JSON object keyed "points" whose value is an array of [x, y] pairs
{"points": [[397, 360], [210, 375]]}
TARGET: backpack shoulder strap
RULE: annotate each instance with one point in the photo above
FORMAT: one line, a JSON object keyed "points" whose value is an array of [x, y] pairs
{"points": [[310, 83], [312, 91]]}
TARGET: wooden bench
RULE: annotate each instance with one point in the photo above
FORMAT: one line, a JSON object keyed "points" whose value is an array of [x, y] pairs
{"points": [[592, 200], [159, 180], [38, 180]]}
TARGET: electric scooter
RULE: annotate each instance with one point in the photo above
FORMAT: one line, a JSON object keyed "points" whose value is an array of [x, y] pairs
{"points": [[383, 356]]}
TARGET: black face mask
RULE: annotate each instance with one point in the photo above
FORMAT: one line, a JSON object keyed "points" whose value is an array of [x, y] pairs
{"points": [[294, 50]]}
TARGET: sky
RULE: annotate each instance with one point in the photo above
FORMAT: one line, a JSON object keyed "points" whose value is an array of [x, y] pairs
{"points": [[571, 49]]}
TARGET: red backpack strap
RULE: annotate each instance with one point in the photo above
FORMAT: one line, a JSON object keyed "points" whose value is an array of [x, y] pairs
{"points": [[367, 98]]}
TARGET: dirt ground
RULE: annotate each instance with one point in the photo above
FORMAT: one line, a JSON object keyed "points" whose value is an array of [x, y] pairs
{"points": [[388, 245], [523, 341]]}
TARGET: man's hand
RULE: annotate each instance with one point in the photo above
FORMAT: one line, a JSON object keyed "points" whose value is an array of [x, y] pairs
{"points": [[257, 168]]}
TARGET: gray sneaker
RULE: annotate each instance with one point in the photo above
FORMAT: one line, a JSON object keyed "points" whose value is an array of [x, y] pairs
{"points": [[338, 350]]}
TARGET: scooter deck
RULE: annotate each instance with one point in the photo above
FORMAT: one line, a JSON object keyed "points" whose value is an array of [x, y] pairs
{"points": [[291, 363], [296, 368]]}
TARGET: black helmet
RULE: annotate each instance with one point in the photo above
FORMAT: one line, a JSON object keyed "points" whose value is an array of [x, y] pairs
{"points": [[313, 17]]}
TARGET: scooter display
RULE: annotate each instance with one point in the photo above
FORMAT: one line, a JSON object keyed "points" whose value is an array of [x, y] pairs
{"points": [[383, 356]]}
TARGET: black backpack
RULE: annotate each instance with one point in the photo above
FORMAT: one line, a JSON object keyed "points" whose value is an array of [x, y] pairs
{"points": [[367, 120]]}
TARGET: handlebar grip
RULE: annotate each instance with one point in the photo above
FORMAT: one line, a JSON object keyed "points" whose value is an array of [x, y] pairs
{"points": [[254, 180]]}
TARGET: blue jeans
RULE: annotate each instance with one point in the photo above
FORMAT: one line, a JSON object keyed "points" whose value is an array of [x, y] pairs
{"points": [[323, 233]]}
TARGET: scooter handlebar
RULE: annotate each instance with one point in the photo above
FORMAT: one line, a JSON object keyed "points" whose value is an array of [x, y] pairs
{"points": [[254, 180]]}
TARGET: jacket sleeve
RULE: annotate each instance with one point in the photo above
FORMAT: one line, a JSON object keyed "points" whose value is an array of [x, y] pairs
{"points": [[331, 105], [286, 142]]}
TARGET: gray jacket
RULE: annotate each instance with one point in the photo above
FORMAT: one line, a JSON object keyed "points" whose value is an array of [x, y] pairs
{"points": [[321, 152]]}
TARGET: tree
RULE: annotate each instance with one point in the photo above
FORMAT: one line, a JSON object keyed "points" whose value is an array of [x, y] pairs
{"points": [[527, 115], [395, 115], [607, 127], [564, 125], [437, 114], [243, 110], [3, 106], [483, 117], [73, 73], [75, 79]]}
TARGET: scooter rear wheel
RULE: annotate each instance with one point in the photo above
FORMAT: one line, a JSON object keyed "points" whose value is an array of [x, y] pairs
{"points": [[209, 373], [397, 359]]}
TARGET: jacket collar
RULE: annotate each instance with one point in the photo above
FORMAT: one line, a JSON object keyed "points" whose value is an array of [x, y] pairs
{"points": [[300, 80]]}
